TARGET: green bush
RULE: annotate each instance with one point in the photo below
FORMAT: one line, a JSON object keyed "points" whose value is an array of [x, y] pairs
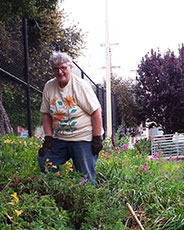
{"points": [[143, 146]]}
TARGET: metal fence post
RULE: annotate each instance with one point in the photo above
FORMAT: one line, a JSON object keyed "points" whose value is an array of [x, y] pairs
{"points": [[26, 55]]}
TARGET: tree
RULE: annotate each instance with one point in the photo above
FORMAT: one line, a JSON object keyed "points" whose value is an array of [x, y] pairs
{"points": [[5, 126], [124, 90], [13, 10], [160, 90], [46, 30], [25, 8], [49, 32]]}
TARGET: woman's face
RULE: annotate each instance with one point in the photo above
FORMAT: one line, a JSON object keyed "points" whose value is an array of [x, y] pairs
{"points": [[63, 73]]}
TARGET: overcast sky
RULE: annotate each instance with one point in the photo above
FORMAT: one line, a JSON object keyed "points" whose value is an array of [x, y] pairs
{"points": [[136, 25]]}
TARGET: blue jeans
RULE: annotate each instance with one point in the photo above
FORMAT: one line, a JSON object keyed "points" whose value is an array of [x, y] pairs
{"points": [[80, 152]]}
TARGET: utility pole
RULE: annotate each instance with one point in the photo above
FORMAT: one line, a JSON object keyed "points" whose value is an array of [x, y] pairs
{"points": [[108, 74]]}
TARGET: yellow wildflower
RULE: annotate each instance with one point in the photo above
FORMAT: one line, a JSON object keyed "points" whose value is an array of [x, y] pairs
{"points": [[18, 212], [50, 163], [68, 163], [31, 143], [14, 195], [25, 143], [54, 166], [47, 159]]}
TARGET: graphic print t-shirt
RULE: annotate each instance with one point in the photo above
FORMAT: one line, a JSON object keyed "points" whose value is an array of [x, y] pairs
{"points": [[71, 108]]}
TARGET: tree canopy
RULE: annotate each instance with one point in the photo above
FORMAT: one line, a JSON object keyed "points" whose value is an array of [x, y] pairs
{"points": [[125, 97], [25, 8], [47, 29], [160, 90]]}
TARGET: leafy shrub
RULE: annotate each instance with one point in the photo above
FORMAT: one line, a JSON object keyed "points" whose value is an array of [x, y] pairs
{"points": [[143, 146]]}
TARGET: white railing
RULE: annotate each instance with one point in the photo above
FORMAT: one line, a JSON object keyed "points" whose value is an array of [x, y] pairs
{"points": [[170, 144]]}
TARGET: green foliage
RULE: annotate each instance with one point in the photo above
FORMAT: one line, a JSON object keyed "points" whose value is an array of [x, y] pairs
{"points": [[14, 151], [32, 200], [125, 97], [50, 31], [37, 214], [46, 28], [24, 8], [18, 114], [143, 146]]}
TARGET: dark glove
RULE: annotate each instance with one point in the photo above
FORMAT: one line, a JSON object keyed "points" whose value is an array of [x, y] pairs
{"points": [[96, 144], [48, 144]]}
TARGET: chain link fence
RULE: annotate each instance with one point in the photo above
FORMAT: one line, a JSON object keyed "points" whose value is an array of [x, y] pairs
{"points": [[21, 85]]}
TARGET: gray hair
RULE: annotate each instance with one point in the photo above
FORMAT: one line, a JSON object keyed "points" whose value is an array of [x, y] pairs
{"points": [[59, 57]]}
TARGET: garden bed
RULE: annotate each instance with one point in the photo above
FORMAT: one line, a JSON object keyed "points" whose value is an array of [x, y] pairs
{"points": [[31, 200]]}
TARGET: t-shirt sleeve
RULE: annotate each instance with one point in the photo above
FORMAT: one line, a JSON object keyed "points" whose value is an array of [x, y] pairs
{"points": [[45, 105], [86, 98]]}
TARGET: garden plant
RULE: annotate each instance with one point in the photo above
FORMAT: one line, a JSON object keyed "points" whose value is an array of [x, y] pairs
{"points": [[154, 188]]}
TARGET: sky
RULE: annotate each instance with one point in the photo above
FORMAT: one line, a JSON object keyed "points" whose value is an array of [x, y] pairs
{"points": [[135, 27]]}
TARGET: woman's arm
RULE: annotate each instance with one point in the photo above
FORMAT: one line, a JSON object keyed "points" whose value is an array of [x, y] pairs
{"points": [[96, 119], [47, 124]]}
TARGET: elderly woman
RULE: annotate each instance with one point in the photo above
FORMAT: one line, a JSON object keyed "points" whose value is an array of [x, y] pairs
{"points": [[72, 120]]}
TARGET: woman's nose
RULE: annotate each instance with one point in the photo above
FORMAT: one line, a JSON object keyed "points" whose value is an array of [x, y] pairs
{"points": [[61, 71]]}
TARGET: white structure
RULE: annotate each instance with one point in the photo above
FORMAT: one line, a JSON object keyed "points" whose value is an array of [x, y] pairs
{"points": [[170, 144], [149, 133]]}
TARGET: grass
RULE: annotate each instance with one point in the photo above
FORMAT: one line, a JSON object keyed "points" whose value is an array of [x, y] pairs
{"points": [[32, 200]]}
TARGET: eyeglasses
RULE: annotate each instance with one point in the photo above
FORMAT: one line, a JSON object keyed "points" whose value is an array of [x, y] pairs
{"points": [[63, 68]]}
